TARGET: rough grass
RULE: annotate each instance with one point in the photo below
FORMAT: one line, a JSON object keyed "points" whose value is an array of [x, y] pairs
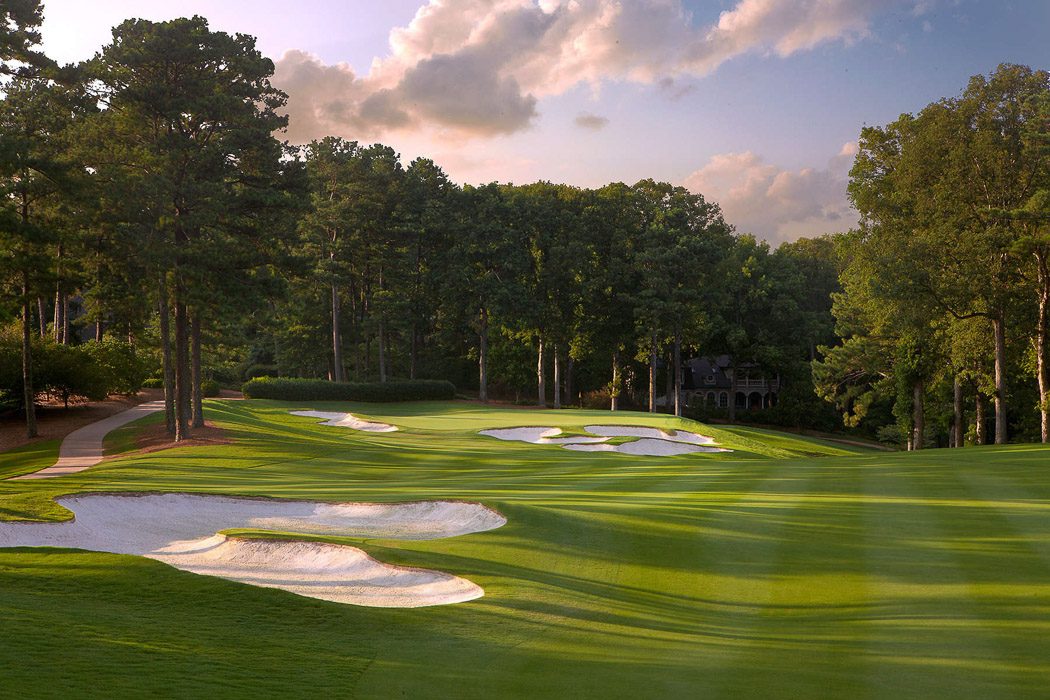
{"points": [[854, 574]]}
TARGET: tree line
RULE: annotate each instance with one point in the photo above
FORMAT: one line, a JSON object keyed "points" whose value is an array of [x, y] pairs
{"points": [[945, 282], [147, 191], [149, 186]]}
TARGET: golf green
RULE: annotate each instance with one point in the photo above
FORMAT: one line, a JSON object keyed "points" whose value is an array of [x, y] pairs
{"points": [[790, 567]]}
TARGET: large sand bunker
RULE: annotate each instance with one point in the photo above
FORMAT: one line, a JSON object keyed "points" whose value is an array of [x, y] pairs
{"points": [[181, 529], [652, 442], [347, 420]]}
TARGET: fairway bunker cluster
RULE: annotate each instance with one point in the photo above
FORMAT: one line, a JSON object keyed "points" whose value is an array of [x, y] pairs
{"points": [[184, 530], [347, 420], [650, 442]]}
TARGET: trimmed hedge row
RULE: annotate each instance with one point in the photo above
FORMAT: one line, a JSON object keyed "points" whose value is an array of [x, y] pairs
{"points": [[372, 392]]}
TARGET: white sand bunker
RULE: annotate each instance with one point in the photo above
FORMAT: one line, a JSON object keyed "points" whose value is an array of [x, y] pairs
{"points": [[180, 529], [652, 442], [347, 420]]}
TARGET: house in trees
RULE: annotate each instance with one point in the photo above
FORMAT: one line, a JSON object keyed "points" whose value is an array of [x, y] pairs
{"points": [[709, 380]]}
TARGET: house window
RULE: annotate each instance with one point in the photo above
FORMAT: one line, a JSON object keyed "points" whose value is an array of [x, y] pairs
{"points": [[709, 379], [711, 399], [723, 400]]}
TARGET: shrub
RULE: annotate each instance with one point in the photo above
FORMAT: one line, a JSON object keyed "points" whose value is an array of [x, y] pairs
{"points": [[256, 371], [209, 388], [373, 392], [153, 383], [123, 371]]}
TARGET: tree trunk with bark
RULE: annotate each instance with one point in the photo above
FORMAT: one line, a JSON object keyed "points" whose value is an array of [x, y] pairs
{"points": [[412, 354], [66, 321], [678, 370], [957, 410], [557, 378], [614, 395], [168, 365], [382, 352], [981, 419], [198, 395], [337, 351], [568, 379], [483, 351], [59, 323], [541, 374], [669, 383], [918, 424], [999, 330], [652, 372], [1041, 369], [182, 368], [42, 310], [27, 359]]}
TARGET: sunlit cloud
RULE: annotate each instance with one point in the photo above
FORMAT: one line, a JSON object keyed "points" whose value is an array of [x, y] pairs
{"points": [[465, 68], [777, 204]]}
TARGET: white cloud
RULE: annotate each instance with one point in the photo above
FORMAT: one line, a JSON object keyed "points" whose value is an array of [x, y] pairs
{"points": [[477, 67], [776, 204]]}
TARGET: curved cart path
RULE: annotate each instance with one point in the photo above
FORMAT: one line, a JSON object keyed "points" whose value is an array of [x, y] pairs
{"points": [[82, 448]]}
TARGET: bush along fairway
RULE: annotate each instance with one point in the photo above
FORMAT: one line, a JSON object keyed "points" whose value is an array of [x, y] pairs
{"points": [[786, 568]]}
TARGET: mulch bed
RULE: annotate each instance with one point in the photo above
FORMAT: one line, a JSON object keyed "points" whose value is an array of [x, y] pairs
{"points": [[155, 438]]}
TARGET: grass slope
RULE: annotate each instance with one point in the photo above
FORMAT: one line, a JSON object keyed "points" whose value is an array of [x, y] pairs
{"points": [[734, 575]]}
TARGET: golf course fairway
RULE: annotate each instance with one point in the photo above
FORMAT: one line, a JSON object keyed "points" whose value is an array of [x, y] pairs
{"points": [[788, 568]]}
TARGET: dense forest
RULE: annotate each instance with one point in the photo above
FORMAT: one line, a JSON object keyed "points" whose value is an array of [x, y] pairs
{"points": [[155, 228]]}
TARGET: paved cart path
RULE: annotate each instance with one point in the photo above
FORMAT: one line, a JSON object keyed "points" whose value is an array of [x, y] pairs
{"points": [[82, 448]]}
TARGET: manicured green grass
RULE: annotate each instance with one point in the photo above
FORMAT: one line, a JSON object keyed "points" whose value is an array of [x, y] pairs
{"points": [[748, 574], [122, 440]]}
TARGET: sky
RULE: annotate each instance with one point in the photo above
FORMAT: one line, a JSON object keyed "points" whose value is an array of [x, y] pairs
{"points": [[755, 104]]}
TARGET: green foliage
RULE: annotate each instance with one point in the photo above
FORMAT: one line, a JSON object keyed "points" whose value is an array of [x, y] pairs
{"points": [[257, 371], [92, 371], [210, 388], [372, 392], [153, 383], [122, 368]]}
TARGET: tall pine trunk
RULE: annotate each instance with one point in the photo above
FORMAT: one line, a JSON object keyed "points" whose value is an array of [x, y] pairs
{"points": [[557, 377], [483, 352], [27, 359], [42, 310], [957, 410], [67, 322], [614, 395], [652, 371], [168, 365], [382, 352], [981, 419], [918, 424], [568, 379], [1041, 369], [999, 330], [541, 374], [182, 367], [337, 351], [412, 354], [60, 323], [669, 383], [198, 395], [678, 370]]}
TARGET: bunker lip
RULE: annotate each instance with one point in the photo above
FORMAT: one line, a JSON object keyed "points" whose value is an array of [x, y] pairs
{"points": [[652, 442], [184, 530]]}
